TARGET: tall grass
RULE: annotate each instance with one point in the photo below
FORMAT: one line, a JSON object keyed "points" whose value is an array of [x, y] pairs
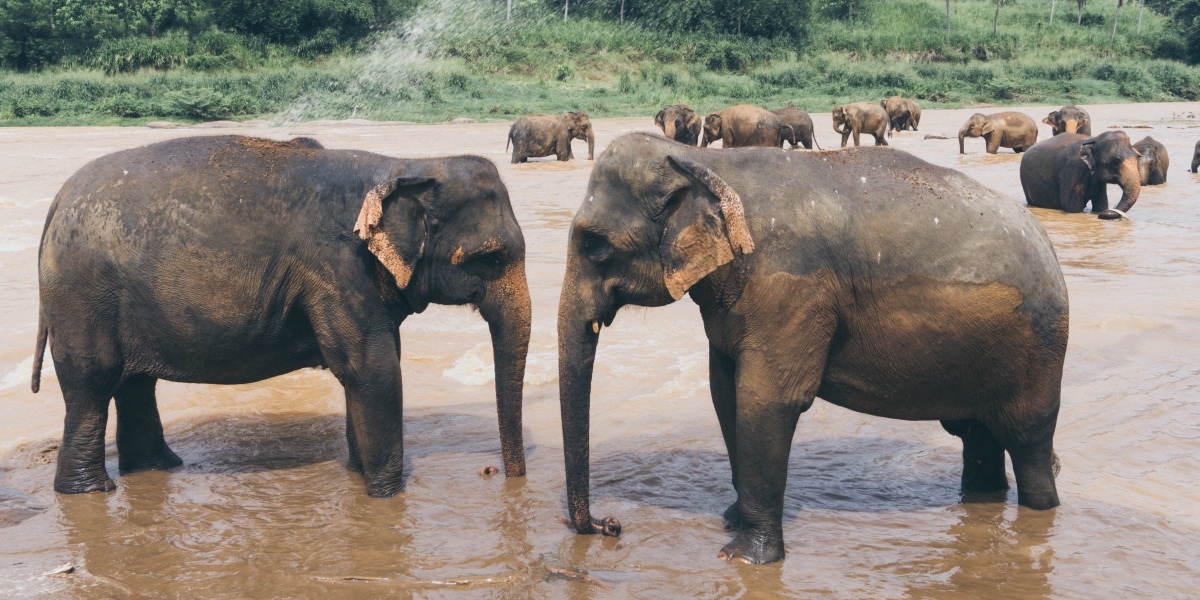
{"points": [[448, 64]]}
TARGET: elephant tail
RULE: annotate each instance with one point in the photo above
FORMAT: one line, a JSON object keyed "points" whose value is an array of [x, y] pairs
{"points": [[814, 138], [38, 352], [508, 140]]}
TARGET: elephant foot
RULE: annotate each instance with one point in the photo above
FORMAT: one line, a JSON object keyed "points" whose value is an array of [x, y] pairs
{"points": [[84, 484], [733, 517], [380, 487], [162, 460], [355, 463], [753, 548]]}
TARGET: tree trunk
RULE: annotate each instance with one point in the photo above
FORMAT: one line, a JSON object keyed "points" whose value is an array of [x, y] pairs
{"points": [[1113, 38], [508, 13], [566, 9], [996, 21], [1052, 3], [1079, 20], [622, 20], [1141, 9], [947, 20]]}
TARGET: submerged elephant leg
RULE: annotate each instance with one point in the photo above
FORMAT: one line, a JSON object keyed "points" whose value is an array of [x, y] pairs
{"points": [[721, 370], [140, 442], [1029, 438], [983, 457], [80, 466], [354, 463]]}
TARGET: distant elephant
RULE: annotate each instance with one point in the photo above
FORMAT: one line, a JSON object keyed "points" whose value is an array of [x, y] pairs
{"points": [[1069, 119], [905, 297], [861, 117], [1153, 162], [230, 259], [543, 135], [1067, 171], [1001, 130], [680, 123], [745, 125], [802, 127], [903, 113], [1196, 158]]}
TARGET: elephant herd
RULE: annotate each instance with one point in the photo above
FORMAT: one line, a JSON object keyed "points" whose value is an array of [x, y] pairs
{"points": [[811, 281]]}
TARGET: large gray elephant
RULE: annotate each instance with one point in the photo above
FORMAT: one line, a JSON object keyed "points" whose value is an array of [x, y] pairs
{"points": [[1001, 130], [903, 113], [232, 259], [858, 118], [1067, 171], [1069, 119], [1153, 162], [905, 297], [745, 125], [802, 127], [680, 123], [534, 136]]}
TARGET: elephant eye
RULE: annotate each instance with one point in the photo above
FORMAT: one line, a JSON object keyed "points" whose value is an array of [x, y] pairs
{"points": [[488, 264], [596, 248]]}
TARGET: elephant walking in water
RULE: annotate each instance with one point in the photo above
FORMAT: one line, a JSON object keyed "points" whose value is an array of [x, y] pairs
{"points": [[802, 127], [1069, 119], [232, 259], [858, 118], [883, 294], [1002, 130], [1070, 170], [1196, 158], [535, 136], [1153, 162], [745, 125], [680, 123], [903, 113]]}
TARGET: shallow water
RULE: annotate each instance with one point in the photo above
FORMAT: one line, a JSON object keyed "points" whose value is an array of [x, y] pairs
{"points": [[263, 506]]}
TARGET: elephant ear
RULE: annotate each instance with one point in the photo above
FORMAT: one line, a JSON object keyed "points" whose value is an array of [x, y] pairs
{"points": [[658, 119], [987, 127], [1087, 153], [392, 222], [704, 228]]}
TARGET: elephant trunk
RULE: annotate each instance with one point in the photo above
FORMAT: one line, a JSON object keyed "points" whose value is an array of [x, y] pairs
{"points": [[506, 308], [578, 335], [591, 141], [1071, 126], [962, 134], [1130, 180], [669, 129]]}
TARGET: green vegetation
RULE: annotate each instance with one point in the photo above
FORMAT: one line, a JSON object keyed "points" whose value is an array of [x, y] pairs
{"points": [[449, 59]]}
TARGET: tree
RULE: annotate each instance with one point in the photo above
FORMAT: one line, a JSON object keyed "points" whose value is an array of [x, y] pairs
{"points": [[996, 21], [947, 20], [1052, 3], [1141, 10], [1112, 38], [1079, 21]]}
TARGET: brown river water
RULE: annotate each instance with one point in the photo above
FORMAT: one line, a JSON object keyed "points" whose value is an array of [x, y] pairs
{"points": [[263, 506]]}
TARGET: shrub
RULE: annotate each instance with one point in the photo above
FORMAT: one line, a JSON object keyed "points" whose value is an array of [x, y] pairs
{"points": [[564, 72]]}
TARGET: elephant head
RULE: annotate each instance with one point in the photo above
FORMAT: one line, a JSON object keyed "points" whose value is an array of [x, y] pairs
{"points": [[713, 129], [976, 126], [443, 231], [680, 123], [657, 220], [1110, 158], [840, 122], [579, 127], [1068, 119]]}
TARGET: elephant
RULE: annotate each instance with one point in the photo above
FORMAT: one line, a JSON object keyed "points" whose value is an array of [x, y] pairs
{"points": [[1069, 170], [903, 113], [680, 123], [1001, 130], [860, 117], [1153, 162], [905, 297], [802, 127], [1196, 158], [543, 135], [1069, 119], [230, 259], [746, 125]]}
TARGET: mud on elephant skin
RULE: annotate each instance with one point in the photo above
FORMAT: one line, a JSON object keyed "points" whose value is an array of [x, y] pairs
{"points": [[903, 113], [1001, 130], [939, 330], [1069, 119], [802, 127], [1153, 162], [858, 118], [534, 136], [230, 260], [745, 125], [1070, 170], [680, 123]]}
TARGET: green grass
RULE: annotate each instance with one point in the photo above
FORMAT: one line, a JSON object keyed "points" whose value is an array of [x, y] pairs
{"points": [[545, 65]]}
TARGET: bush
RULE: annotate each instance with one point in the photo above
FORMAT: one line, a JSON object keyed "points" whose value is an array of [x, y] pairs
{"points": [[564, 72], [127, 55]]}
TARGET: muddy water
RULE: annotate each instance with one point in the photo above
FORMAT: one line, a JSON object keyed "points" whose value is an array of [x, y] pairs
{"points": [[263, 506]]}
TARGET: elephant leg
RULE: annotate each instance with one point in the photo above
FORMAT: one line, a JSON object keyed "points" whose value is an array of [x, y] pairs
{"points": [[880, 140], [140, 442], [354, 463], [993, 144], [1099, 199], [856, 133], [722, 386], [845, 136], [983, 457], [1026, 429], [80, 466]]}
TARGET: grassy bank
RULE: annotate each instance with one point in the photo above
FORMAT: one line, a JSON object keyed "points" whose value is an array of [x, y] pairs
{"points": [[460, 65]]}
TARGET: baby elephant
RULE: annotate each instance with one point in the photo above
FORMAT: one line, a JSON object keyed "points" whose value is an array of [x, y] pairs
{"points": [[1002, 130], [543, 135], [801, 124], [1069, 119], [860, 117], [745, 125], [902, 113], [1153, 162], [680, 123]]}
